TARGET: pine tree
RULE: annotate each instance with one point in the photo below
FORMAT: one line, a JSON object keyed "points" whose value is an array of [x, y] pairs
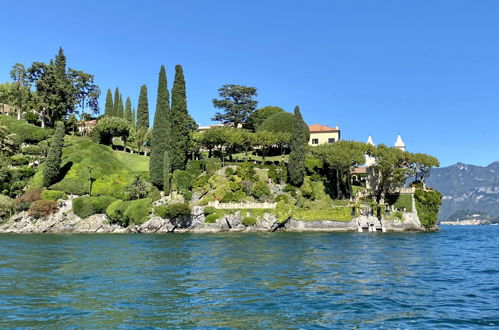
{"points": [[160, 136], [299, 147], [128, 110], [181, 122], [53, 160], [143, 109], [109, 103], [116, 105]]}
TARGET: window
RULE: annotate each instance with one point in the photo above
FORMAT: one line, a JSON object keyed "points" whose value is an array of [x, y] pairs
{"points": [[315, 141], [330, 140]]}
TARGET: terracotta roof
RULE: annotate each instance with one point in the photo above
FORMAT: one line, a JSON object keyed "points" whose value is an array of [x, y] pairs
{"points": [[321, 128]]}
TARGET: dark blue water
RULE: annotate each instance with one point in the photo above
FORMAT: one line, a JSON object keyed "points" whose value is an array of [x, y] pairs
{"points": [[448, 279]]}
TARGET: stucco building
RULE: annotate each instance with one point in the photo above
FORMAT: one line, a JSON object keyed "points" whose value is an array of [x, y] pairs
{"points": [[321, 134]]}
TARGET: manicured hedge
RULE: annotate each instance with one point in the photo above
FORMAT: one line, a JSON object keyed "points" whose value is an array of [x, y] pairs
{"points": [[173, 210], [89, 205], [249, 221], [182, 180], [129, 212], [212, 218], [24, 132], [53, 195]]}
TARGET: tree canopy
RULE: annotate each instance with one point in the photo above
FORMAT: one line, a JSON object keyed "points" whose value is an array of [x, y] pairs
{"points": [[255, 119], [236, 102]]}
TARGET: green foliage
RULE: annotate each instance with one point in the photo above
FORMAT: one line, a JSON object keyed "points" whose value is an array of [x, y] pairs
{"points": [[395, 216], [237, 103], [181, 122], [24, 133], [229, 171], [53, 195], [182, 180], [129, 212], [154, 193], [111, 171], [427, 205], [209, 210], [89, 205], [187, 195], [53, 161], [138, 188], [249, 221], [109, 109], [32, 150], [176, 210], [336, 214], [299, 149], [160, 135], [31, 118], [23, 202], [255, 119], [195, 167], [400, 201], [143, 109], [260, 190], [116, 104], [246, 172], [128, 111], [108, 128], [212, 218], [280, 122], [42, 208], [6, 207], [306, 188], [211, 165], [18, 160]]}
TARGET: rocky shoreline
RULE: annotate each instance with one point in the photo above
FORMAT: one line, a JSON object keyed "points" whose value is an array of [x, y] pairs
{"points": [[65, 221]]}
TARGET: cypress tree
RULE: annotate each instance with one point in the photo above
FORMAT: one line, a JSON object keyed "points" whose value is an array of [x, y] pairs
{"points": [[167, 172], [53, 160], [299, 147], [121, 108], [109, 103], [181, 122], [128, 110], [143, 109], [160, 132], [134, 119], [116, 105]]}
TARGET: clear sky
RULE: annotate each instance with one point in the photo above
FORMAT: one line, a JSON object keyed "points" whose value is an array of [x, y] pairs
{"points": [[428, 70]]}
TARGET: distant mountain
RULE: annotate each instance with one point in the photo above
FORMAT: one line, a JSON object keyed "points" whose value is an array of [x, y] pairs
{"points": [[467, 187]]}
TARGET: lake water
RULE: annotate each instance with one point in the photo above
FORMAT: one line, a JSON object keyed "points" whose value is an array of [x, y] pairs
{"points": [[278, 280]]}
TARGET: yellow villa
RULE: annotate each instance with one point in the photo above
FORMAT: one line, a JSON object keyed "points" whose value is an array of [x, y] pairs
{"points": [[320, 134]]}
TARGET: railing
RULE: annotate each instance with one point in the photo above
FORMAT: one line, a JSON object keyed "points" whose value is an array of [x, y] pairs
{"points": [[249, 205]]}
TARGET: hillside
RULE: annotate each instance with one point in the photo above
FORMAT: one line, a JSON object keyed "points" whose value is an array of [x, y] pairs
{"points": [[467, 187], [111, 170]]}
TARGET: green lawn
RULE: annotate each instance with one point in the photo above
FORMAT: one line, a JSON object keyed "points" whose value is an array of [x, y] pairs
{"points": [[111, 170]]}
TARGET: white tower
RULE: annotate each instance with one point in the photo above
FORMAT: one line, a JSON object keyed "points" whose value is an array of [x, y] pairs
{"points": [[370, 161], [399, 144]]}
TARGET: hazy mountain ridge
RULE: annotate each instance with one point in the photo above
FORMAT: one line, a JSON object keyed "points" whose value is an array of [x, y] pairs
{"points": [[467, 187]]}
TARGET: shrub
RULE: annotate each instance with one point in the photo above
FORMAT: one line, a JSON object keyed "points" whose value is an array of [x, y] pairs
{"points": [[32, 150], [6, 206], [281, 122], [246, 172], [427, 205], [88, 205], [115, 211], [290, 189], [337, 214], [200, 181], [194, 167], [306, 188], [177, 210], [211, 165], [228, 197], [238, 196], [246, 186], [24, 132], [209, 210], [212, 218], [129, 212], [138, 189], [182, 180], [260, 190], [311, 164], [249, 221], [42, 209], [281, 197], [23, 202], [18, 160], [187, 195], [154, 193], [229, 171], [53, 195]]}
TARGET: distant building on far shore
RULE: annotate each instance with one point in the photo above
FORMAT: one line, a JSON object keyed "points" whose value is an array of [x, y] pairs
{"points": [[321, 134]]}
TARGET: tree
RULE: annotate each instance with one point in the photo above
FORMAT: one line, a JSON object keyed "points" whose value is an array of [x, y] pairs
{"points": [[6, 142], [116, 104], [20, 94], [255, 119], [181, 122], [160, 135], [108, 128], [71, 123], [139, 188], [53, 160], [281, 122], [299, 148], [167, 174], [143, 109], [121, 112], [237, 103], [265, 139], [138, 137], [87, 93], [128, 110], [109, 109], [420, 166]]}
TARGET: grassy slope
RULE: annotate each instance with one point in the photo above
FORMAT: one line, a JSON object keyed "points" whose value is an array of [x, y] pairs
{"points": [[24, 132], [112, 170]]}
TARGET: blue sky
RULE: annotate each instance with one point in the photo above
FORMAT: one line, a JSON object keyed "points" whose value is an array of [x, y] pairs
{"points": [[428, 70]]}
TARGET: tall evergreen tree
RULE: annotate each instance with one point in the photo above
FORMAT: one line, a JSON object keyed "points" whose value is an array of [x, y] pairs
{"points": [[109, 103], [167, 172], [134, 119], [299, 148], [143, 109], [181, 122], [121, 108], [160, 137], [53, 160], [128, 110], [116, 105]]}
